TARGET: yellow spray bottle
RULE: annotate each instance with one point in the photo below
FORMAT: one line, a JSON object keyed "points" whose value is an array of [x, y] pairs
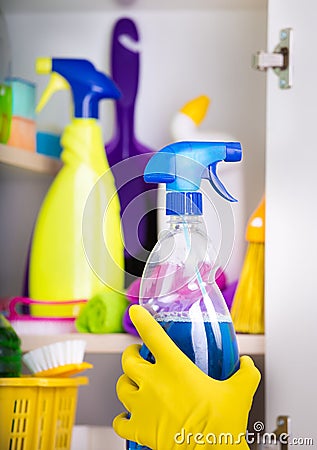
{"points": [[77, 246]]}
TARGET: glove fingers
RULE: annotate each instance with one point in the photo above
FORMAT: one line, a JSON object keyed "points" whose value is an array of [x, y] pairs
{"points": [[152, 334], [247, 364], [133, 364], [126, 390], [124, 427], [247, 371]]}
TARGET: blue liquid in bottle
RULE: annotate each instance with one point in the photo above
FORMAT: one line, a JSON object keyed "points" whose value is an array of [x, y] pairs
{"points": [[218, 354], [218, 362]]}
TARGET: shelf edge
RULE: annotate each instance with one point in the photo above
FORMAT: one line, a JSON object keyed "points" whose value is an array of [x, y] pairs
{"points": [[251, 344], [117, 342], [25, 159]]}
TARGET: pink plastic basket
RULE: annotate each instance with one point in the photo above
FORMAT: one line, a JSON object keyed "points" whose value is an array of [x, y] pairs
{"points": [[28, 324]]}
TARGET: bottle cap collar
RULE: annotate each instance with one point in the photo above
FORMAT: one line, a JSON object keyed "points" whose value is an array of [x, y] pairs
{"points": [[184, 203]]}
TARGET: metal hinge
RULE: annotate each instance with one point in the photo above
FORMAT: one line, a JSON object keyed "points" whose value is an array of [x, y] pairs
{"points": [[280, 436], [280, 60], [282, 431]]}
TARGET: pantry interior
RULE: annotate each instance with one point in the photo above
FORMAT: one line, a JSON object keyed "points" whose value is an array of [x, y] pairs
{"points": [[188, 48]]}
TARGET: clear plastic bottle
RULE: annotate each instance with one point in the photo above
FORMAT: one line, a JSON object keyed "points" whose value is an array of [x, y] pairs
{"points": [[179, 289], [178, 285]]}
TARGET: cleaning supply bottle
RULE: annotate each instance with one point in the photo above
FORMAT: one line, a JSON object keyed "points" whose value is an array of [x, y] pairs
{"points": [[185, 123], [128, 156], [10, 350], [178, 284], [77, 247]]}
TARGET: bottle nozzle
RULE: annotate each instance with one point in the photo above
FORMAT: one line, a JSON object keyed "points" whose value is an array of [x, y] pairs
{"points": [[56, 83], [43, 66], [233, 152]]}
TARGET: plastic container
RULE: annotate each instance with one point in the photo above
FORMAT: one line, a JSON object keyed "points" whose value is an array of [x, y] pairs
{"points": [[27, 324], [38, 413], [10, 350], [48, 144], [178, 286], [23, 126], [22, 133], [5, 112], [182, 294], [23, 97], [185, 123], [77, 246]]}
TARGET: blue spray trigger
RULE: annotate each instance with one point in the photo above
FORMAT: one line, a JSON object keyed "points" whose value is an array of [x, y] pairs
{"points": [[217, 184], [182, 165], [161, 168], [87, 84]]}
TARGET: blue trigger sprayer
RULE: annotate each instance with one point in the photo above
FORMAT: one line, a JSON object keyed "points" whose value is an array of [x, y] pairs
{"points": [[178, 284]]}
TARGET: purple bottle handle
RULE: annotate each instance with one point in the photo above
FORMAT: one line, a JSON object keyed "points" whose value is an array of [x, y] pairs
{"points": [[121, 57], [136, 196], [125, 66]]}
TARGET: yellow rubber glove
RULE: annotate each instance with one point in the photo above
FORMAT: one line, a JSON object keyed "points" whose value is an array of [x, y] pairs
{"points": [[173, 404]]}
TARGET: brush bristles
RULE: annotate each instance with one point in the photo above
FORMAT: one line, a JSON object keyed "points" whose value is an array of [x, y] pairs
{"points": [[55, 355], [40, 327], [247, 309]]}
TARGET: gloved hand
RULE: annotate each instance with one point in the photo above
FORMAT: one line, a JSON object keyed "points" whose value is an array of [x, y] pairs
{"points": [[173, 404]]}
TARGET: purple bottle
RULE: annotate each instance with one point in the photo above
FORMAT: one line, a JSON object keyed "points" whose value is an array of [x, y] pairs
{"points": [[128, 157]]}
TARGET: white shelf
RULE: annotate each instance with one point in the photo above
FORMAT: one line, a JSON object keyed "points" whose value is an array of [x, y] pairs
{"points": [[96, 343], [251, 344], [117, 342], [25, 159]]}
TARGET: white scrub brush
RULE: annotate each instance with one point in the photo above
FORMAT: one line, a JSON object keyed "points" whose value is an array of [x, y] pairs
{"points": [[60, 359]]}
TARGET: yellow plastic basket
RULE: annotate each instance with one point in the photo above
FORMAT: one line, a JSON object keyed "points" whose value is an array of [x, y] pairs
{"points": [[38, 413]]}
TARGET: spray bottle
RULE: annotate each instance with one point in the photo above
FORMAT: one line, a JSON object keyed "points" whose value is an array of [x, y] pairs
{"points": [[178, 284], [77, 251]]}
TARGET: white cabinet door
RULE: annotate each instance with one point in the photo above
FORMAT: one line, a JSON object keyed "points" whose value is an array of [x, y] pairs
{"points": [[291, 242]]}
